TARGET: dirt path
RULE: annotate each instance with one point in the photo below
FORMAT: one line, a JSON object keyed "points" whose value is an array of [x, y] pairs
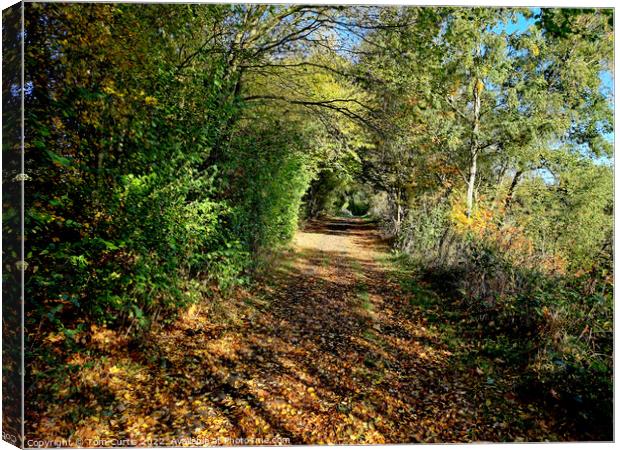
{"points": [[329, 350]]}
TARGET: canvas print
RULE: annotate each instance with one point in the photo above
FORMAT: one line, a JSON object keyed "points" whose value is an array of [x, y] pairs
{"points": [[286, 224]]}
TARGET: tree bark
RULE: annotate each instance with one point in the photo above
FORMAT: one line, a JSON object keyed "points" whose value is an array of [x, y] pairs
{"points": [[473, 170], [474, 146], [511, 189]]}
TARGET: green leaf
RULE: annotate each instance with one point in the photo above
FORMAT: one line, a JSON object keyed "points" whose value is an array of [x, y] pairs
{"points": [[57, 159]]}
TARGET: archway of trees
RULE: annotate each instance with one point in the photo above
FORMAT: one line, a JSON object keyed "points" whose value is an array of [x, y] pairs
{"points": [[173, 150]]}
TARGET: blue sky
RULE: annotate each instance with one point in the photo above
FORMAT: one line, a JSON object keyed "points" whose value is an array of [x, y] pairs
{"points": [[522, 24]]}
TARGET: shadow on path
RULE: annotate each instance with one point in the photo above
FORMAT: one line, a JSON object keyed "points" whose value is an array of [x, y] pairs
{"points": [[327, 350]]}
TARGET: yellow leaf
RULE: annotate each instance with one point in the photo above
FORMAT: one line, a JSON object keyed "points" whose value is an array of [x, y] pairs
{"points": [[55, 337], [151, 101]]}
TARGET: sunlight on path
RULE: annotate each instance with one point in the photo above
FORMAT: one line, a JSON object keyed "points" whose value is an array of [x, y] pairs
{"points": [[327, 350], [355, 238]]}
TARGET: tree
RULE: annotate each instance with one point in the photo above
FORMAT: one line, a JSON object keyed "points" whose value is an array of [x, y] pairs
{"points": [[481, 95]]}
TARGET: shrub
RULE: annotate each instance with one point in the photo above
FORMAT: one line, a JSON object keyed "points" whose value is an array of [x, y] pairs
{"points": [[423, 230], [553, 323]]}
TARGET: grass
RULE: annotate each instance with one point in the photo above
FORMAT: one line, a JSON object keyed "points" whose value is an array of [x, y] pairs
{"points": [[364, 296]]}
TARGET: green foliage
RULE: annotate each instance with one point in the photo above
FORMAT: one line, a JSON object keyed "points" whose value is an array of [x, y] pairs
{"points": [[326, 193], [154, 183], [336, 193], [520, 122], [169, 148], [561, 22], [574, 213], [557, 330], [424, 229], [114, 222], [270, 175]]}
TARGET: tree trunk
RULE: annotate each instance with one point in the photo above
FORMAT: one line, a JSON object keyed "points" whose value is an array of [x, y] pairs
{"points": [[474, 146], [473, 169], [397, 219], [511, 189]]}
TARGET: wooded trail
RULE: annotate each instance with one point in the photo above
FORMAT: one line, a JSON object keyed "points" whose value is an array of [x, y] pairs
{"points": [[162, 293], [327, 349]]}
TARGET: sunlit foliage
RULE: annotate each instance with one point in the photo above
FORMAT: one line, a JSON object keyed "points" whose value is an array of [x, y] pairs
{"points": [[174, 150]]}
